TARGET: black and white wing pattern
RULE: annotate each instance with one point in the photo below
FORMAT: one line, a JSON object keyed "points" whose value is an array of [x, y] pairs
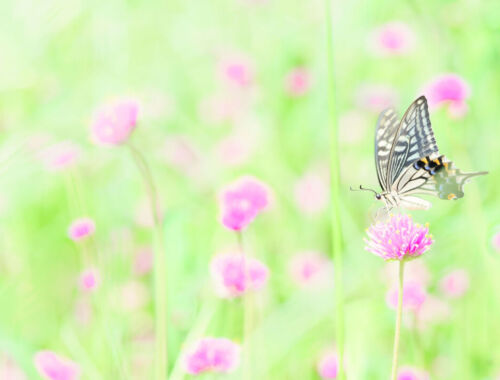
{"points": [[414, 139], [387, 125]]}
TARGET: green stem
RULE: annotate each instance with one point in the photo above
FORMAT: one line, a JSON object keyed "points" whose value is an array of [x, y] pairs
{"points": [[336, 232], [160, 270], [247, 316], [397, 333]]}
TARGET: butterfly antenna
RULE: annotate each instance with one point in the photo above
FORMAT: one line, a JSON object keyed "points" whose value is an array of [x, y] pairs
{"points": [[363, 188]]}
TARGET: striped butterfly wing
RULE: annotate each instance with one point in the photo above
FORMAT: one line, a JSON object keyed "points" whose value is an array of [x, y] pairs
{"points": [[414, 139], [387, 125]]}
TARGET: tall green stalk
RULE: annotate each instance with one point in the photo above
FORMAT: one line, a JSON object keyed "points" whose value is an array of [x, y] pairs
{"points": [[336, 231], [394, 372], [160, 270]]}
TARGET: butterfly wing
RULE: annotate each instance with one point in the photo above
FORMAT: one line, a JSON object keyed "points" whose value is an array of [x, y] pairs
{"points": [[387, 125], [414, 139]]}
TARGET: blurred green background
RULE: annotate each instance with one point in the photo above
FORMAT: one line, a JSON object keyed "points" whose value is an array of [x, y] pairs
{"points": [[59, 60]]}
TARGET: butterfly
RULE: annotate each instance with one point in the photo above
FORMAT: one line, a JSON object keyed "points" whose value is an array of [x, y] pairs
{"points": [[408, 161]]}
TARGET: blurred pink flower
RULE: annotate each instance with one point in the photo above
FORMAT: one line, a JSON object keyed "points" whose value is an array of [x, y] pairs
{"points": [[416, 271], [376, 97], [312, 191], [450, 90], [414, 295], [298, 81], [90, 280], [60, 156], [234, 274], [81, 228], [455, 283], [495, 241], [311, 269], [9, 369], [54, 367], [212, 355], [398, 239], [143, 261], [410, 373], [113, 123], [242, 201], [328, 365], [236, 70], [393, 38]]}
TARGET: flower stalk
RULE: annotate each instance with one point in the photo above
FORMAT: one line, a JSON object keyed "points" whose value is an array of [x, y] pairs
{"points": [[399, 312]]}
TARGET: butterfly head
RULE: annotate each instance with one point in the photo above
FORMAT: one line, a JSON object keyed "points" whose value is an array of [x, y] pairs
{"points": [[378, 196]]}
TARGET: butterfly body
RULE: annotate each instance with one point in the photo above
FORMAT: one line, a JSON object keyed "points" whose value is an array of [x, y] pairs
{"points": [[408, 161]]}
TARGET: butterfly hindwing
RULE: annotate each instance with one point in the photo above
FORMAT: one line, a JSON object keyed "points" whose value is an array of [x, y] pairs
{"points": [[414, 139], [387, 125]]}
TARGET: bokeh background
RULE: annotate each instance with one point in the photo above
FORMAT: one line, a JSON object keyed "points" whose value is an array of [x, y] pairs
{"points": [[201, 126]]}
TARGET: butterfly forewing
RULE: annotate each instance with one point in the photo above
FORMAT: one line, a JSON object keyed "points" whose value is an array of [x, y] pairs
{"points": [[414, 139], [387, 125]]}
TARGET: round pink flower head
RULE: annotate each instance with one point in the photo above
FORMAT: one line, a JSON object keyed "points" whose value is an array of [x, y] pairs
{"points": [[54, 367], [495, 241], [414, 295], [212, 355], [410, 373], [450, 90], [236, 70], [60, 156], [297, 81], [328, 365], [90, 280], [393, 38], [114, 122], [241, 201], [81, 228], [234, 274], [455, 283], [398, 238], [311, 270]]}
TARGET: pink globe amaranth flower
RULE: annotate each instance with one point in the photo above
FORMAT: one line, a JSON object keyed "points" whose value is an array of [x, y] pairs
{"points": [[450, 90], [312, 191], [311, 270], [234, 274], [376, 97], [54, 367], [113, 123], [393, 38], [297, 82], [242, 201], [455, 284], [90, 280], [212, 355], [81, 228], [414, 296], [495, 241], [410, 373], [60, 156], [398, 238], [236, 70], [328, 366]]}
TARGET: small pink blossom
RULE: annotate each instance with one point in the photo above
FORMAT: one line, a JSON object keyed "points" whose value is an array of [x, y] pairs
{"points": [[312, 191], [298, 82], [414, 295], [54, 367], [237, 70], [60, 156], [450, 90], [495, 241], [393, 38], [234, 274], [376, 97], [311, 269], [455, 284], [410, 373], [81, 228], [143, 261], [398, 239], [242, 201], [219, 355], [328, 365], [90, 280], [113, 123]]}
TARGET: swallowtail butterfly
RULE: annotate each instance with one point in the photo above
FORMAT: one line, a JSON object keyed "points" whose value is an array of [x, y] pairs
{"points": [[409, 163]]}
